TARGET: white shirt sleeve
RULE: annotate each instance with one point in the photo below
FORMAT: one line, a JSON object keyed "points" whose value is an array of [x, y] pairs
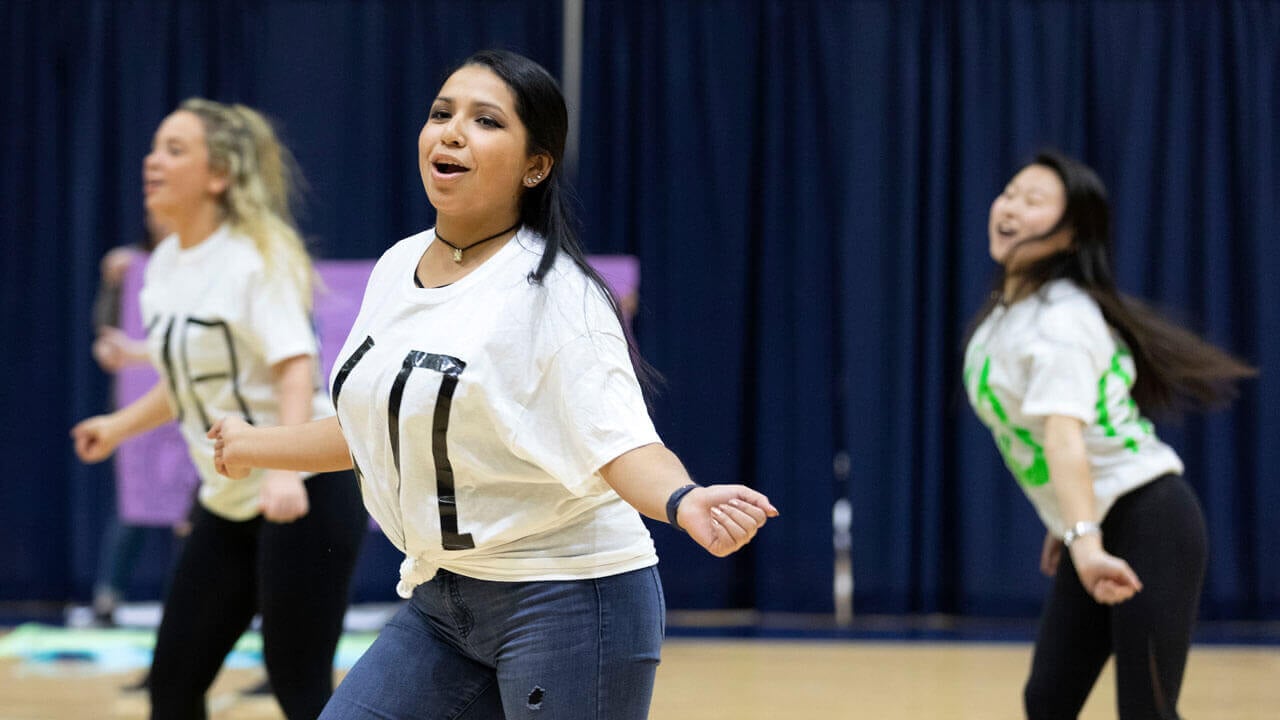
{"points": [[588, 410], [278, 318], [1066, 362], [1062, 380]]}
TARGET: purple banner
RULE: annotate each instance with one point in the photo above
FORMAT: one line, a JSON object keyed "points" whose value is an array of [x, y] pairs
{"points": [[155, 481]]}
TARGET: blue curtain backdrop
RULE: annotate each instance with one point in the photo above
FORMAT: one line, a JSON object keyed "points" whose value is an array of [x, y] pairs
{"points": [[806, 184], [86, 84]]}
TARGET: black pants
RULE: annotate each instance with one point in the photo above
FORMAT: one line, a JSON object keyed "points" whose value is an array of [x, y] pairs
{"points": [[1159, 530], [297, 575]]}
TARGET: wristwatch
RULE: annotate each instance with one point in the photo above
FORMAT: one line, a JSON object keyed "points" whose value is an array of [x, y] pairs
{"points": [[1084, 527]]}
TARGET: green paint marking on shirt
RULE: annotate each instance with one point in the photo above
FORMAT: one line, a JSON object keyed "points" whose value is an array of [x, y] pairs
{"points": [[1105, 421], [1037, 473]]}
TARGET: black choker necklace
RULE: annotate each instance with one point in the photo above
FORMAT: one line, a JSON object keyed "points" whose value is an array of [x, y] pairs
{"points": [[457, 251]]}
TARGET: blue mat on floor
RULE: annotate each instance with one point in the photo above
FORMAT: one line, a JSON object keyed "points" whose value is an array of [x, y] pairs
{"points": [[59, 650]]}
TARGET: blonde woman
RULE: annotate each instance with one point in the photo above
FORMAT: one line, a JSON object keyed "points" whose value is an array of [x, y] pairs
{"points": [[226, 303]]}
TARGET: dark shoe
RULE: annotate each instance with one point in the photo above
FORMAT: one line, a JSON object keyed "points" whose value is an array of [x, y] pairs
{"points": [[141, 685], [105, 602], [104, 620]]}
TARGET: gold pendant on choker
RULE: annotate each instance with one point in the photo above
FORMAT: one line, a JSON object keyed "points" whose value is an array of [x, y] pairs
{"points": [[457, 255]]}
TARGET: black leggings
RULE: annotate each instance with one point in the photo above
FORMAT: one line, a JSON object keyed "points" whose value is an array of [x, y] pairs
{"points": [[1159, 530], [297, 575]]}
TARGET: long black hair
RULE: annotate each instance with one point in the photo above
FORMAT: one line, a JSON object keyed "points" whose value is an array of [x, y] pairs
{"points": [[547, 207], [1173, 364]]}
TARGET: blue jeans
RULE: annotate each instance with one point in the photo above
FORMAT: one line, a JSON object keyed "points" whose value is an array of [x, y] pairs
{"points": [[466, 649]]}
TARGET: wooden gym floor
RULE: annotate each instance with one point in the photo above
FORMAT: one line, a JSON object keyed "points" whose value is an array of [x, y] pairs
{"points": [[743, 679]]}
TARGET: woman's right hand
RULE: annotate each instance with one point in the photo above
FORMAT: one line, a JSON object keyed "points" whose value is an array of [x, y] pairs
{"points": [[1050, 554], [96, 438], [229, 436]]}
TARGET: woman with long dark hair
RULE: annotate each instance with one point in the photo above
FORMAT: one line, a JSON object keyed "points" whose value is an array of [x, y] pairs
{"points": [[1061, 367], [488, 399]]}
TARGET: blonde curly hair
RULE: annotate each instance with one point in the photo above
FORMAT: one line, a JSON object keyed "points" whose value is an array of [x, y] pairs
{"points": [[262, 178]]}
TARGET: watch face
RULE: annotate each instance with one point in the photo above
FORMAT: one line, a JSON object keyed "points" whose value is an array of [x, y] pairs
{"points": [[1081, 528]]}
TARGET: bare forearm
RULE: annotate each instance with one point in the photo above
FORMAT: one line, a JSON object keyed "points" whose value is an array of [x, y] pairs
{"points": [[1069, 470], [1108, 579], [146, 413], [135, 353], [720, 518], [645, 477], [294, 389], [316, 446]]}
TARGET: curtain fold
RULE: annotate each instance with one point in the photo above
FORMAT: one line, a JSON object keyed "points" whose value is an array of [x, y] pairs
{"points": [[807, 185]]}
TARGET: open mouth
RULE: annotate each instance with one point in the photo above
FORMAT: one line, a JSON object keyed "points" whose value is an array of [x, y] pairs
{"points": [[446, 168]]}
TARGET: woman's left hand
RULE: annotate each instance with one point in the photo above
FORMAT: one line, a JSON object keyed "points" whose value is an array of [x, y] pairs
{"points": [[115, 264], [115, 350], [1107, 578], [284, 496], [723, 518]]}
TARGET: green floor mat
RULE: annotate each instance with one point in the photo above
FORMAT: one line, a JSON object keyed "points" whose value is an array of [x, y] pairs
{"points": [[92, 650]]}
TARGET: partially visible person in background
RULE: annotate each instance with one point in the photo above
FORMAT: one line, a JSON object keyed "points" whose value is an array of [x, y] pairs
{"points": [[1061, 367], [227, 304], [155, 480]]}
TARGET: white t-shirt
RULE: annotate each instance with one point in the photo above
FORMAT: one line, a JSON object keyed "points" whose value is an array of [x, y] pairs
{"points": [[216, 323], [479, 414], [1052, 353]]}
